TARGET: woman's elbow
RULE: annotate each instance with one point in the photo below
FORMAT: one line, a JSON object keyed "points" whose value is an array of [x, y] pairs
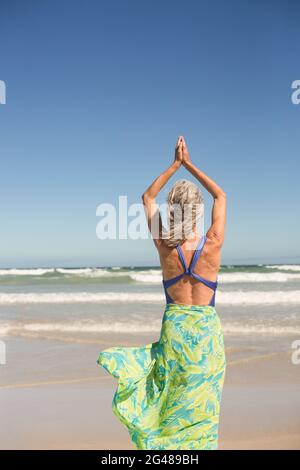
{"points": [[146, 198], [221, 194]]}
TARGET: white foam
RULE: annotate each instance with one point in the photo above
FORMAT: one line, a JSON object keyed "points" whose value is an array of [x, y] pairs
{"points": [[237, 297], [150, 276], [82, 272], [154, 276], [284, 267], [77, 297], [244, 277], [134, 327], [85, 272], [25, 272], [236, 329], [92, 327], [74, 270], [240, 297]]}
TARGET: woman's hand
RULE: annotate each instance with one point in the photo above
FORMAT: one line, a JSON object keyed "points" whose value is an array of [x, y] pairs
{"points": [[152, 209], [178, 152], [185, 153]]}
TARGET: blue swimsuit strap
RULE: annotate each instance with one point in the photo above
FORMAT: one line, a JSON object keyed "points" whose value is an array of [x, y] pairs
{"points": [[212, 284], [169, 282], [190, 271], [180, 254], [196, 255]]}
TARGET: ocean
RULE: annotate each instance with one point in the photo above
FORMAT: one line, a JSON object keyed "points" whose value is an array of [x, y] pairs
{"points": [[256, 304]]}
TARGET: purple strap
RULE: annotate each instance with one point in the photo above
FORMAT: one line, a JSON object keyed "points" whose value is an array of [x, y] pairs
{"points": [[170, 282], [197, 253], [190, 271], [211, 284], [180, 254]]}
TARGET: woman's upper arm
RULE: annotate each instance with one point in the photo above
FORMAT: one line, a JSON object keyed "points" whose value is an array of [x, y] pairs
{"points": [[153, 218], [216, 231]]}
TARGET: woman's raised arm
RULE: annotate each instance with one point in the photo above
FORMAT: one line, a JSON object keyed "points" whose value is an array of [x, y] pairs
{"points": [[217, 229], [152, 210]]}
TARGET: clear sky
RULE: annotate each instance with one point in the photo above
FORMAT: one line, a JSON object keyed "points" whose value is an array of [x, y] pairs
{"points": [[97, 93]]}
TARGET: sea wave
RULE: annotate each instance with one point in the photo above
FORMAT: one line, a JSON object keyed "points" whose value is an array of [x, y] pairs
{"points": [[79, 271], [235, 329], [132, 327], [152, 276], [149, 275], [284, 267], [91, 327], [236, 297], [26, 272], [77, 297], [246, 277], [155, 277]]}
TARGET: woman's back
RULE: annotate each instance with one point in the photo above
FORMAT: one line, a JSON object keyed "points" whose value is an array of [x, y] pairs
{"points": [[188, 289]]}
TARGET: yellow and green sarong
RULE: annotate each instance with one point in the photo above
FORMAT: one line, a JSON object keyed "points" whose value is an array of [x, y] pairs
{"points": [[169, 392]]}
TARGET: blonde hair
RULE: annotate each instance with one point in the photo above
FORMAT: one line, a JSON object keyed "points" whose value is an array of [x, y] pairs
{"points": [[185, 208]]}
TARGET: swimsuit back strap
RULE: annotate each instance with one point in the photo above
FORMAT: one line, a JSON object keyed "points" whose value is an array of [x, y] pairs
{"points": [[189, 271], [212, 301], [197, 253], [169, 282], [169, 299], [181, 257], [212, 284]]}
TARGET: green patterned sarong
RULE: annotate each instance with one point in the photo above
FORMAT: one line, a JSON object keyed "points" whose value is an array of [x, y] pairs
{"points": [[169, 392]]}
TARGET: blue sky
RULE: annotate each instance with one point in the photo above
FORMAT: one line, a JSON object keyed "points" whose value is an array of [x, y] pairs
{"points": [[97, 93]]}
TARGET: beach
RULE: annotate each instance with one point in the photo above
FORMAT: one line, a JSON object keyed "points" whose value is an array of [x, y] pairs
{"points": [[129, 130], [54, 323]]}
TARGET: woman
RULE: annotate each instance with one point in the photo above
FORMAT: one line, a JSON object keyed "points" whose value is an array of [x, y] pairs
{"points": [[169, 391]]}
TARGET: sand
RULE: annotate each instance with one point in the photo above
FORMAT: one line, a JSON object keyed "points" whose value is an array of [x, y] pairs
{"points": [[68, 405]]}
